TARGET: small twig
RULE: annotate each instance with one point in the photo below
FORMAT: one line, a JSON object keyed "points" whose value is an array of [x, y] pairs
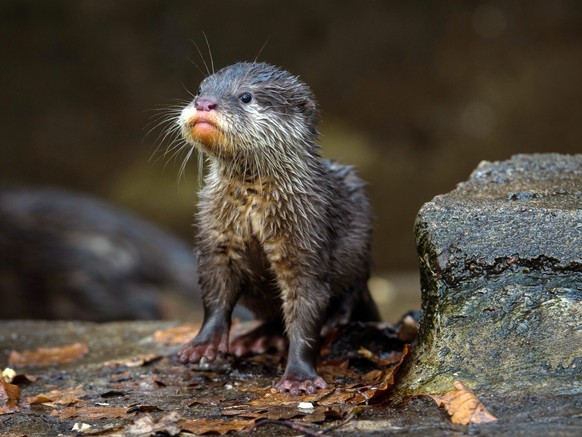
{"points": [[290, 424]]}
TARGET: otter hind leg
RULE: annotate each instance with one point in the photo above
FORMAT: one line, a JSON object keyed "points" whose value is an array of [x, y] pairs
{"points": [[267, 336], [365, 309]]}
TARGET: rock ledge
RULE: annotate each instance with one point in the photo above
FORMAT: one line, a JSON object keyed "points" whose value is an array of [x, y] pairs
{"points": [[501, 275]]}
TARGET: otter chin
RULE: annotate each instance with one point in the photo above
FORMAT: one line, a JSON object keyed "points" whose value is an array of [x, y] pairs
{"points": [[279, 230], [199, 127]]}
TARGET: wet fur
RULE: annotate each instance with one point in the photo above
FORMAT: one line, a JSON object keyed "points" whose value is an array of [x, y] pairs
{"points": [[280, 230]]}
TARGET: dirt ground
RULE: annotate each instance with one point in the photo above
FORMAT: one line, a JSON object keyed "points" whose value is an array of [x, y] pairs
{"points": [[123, 379]]}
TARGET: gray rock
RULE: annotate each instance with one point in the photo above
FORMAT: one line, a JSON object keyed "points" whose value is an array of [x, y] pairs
{"points": [[501, 275], [66, 255]]}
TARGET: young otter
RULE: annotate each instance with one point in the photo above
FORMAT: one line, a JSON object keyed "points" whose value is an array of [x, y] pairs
{"points": [[280, 229]]}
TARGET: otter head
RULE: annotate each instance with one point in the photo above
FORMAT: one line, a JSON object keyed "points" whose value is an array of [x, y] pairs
{"points": [[249, 111]]}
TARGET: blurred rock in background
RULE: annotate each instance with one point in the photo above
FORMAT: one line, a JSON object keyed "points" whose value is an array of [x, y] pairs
{"points": [[68, 256], [415, 94]]}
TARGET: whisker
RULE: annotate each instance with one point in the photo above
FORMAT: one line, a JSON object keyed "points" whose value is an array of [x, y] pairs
{"points": [[262, 48], [189, 92], [202, 57], [176, 150], [209, 51], [182, 171], [200, 168], [175, 143], [170, 121], [195, 64]]}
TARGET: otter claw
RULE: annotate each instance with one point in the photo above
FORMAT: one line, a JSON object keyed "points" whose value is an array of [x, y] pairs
{"points": [[295, 387], [199, 353]]}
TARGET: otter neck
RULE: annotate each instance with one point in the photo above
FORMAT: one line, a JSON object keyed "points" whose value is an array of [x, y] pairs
{"points": [[280, 166]]}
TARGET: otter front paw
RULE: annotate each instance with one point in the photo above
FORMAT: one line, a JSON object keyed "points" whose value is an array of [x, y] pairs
{"points": [[193, 351], [294, 386]]}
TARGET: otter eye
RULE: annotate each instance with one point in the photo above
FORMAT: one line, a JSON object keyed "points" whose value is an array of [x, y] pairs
{"points": [[246, 97]]}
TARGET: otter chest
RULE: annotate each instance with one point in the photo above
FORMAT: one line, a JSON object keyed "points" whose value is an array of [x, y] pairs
{"points": [[250, 209]]}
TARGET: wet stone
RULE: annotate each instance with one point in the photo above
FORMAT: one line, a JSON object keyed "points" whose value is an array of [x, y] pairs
{"points": [[501, 276]]}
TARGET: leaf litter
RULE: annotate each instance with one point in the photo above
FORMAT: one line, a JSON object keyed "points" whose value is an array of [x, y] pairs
{"points": [[148, 393]]}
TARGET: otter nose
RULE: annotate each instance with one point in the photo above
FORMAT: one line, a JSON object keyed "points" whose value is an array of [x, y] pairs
{"points": [[205, 104]]}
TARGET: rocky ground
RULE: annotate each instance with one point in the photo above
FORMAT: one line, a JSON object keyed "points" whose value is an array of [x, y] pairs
{"points": [[498, 351]]}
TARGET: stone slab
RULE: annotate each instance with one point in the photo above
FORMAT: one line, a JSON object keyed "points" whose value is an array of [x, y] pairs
{"points": [[501, 276]]}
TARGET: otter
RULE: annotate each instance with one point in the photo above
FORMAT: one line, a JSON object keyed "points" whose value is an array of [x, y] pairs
{"points": [[280, 230]]}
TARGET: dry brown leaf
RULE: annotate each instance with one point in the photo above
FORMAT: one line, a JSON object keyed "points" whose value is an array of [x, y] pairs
{"points": [[90, 412], [340, 396], [463, 406], [371, 385], [48, 356], [178, 334], [66, 397], [392, 358], [204, 426], [276, 406], [246, 411], [9, 397], [388, 360], [134, 361], [332, 370], [378, 382]]}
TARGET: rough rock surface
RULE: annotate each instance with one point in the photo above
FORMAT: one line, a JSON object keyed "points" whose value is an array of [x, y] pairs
{"points": [[501, 273]]}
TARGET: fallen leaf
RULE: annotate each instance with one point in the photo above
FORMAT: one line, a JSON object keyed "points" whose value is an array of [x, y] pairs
{"points": [[178, 334], [391, 358], [341, 396], [53, 398], [9, 397], [204, 426], [246, 411], [134, 361], [463, 406], [90, 412], [48, 356], [333, 370], [378, 382], [39, 399]]}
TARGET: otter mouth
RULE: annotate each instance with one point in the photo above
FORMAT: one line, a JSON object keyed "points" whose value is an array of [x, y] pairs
{"points": [[202, 121], [203, 128]]}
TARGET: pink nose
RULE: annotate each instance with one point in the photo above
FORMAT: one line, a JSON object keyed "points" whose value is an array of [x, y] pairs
{"points": [[205, 104]]}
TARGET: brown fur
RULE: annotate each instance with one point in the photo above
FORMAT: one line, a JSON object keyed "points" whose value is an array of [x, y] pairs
{"points": [[281, 230]]}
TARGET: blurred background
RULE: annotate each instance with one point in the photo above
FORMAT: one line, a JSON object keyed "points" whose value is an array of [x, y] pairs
{"points": [[414, 94]]}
